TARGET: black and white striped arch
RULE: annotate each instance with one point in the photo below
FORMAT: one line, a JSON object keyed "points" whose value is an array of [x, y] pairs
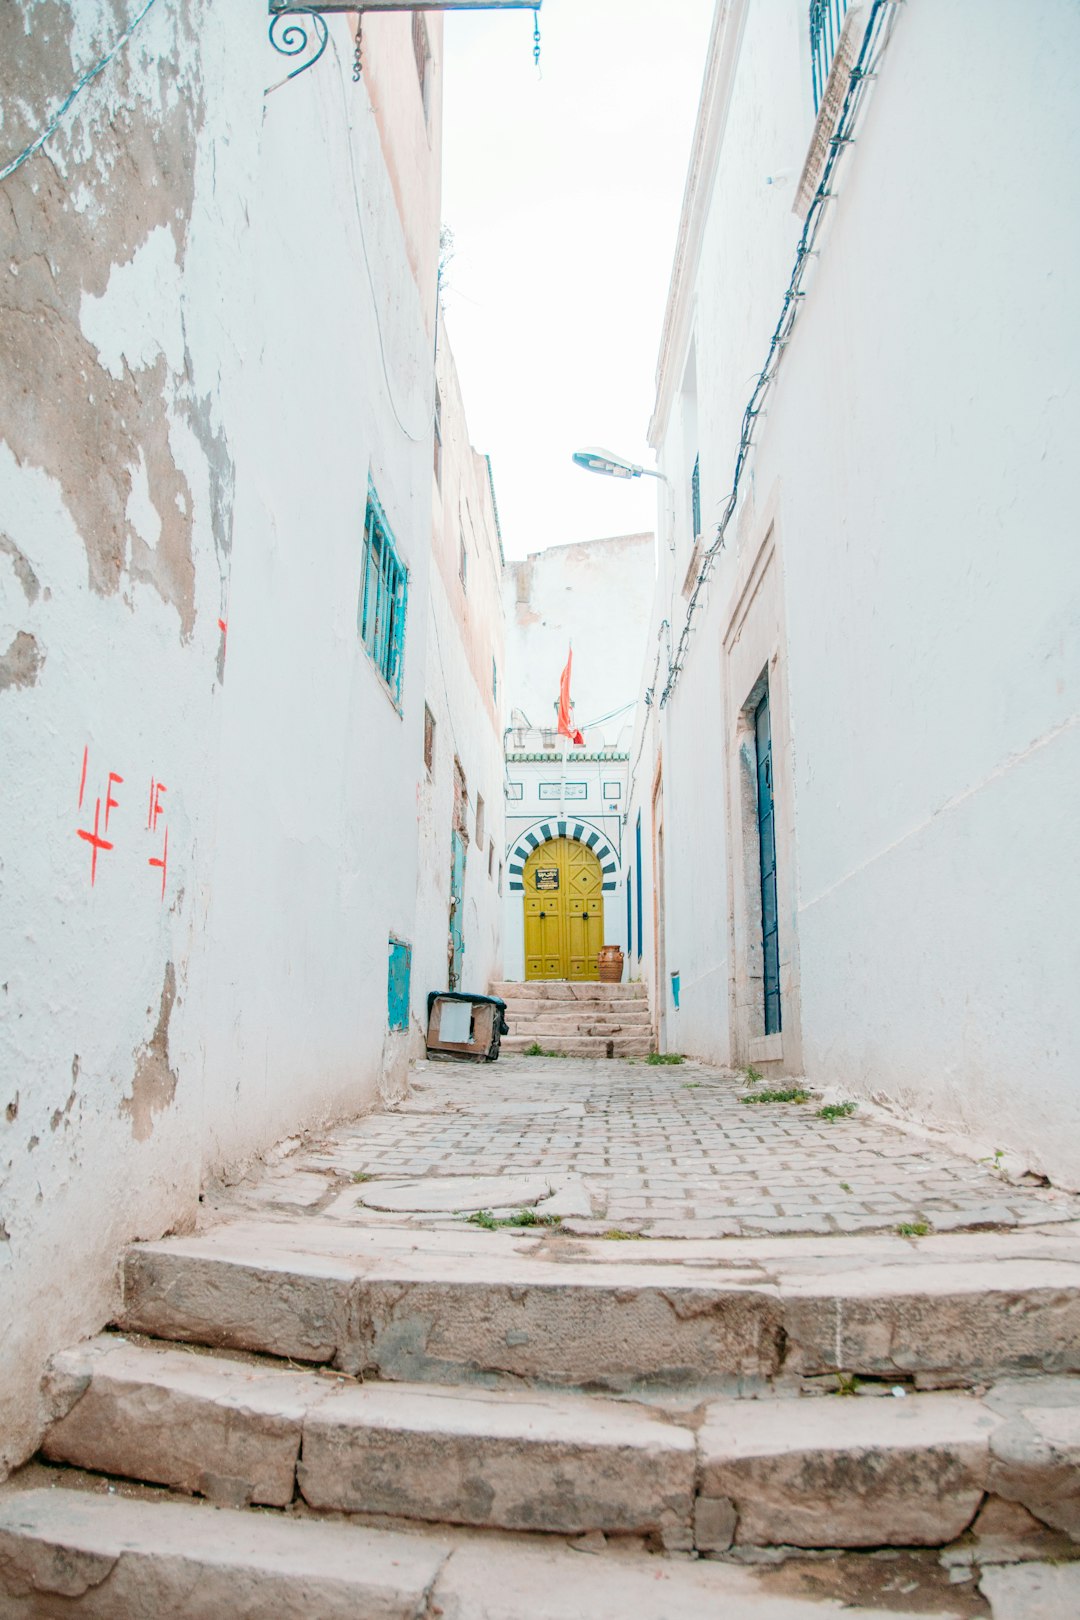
{"points": [[582, 832]]}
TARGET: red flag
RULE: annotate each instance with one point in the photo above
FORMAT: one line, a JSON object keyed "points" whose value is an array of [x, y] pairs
{"points": [[566, 728]]}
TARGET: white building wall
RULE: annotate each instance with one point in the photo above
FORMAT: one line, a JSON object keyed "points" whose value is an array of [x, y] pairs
{"points": [[196, 402], [466, 694], [901, 563], [596, 595]]}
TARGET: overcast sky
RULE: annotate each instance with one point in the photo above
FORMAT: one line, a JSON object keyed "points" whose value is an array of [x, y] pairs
{"points": [[563, 194]]}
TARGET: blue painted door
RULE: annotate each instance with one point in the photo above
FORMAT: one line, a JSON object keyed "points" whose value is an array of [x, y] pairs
{"points": [[457, 908], [770, 947]]}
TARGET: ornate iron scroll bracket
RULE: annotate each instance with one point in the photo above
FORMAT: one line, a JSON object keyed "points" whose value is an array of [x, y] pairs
{"points": [[296, 31]]}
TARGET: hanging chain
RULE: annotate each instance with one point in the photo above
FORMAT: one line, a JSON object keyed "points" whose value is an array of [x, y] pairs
{"points": [[536, 37], [358, 54]]}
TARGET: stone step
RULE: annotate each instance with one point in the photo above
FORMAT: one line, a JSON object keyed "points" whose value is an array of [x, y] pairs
{"points": [[824, 1472], [567, 990], [105, 1557], [586, 1020], [242, 1434], [473, 1307], [590, 1046]]}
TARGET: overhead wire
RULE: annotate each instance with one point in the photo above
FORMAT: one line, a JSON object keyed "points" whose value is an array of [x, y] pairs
{"points": [[874, 41], [87, 78]]}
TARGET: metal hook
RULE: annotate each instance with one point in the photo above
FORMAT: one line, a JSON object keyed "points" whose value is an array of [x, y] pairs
{"points": [[536, 40], [358, 54]]}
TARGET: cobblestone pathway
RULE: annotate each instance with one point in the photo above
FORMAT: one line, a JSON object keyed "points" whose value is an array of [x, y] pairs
{"points": [[664, 1152]]}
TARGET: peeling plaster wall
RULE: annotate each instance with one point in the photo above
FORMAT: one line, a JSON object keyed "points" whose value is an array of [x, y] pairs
{"points": [[193, 403], [465, 636], [914, 471]]}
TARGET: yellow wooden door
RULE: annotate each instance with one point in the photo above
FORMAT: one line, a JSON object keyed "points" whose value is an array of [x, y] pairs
{"points": [[564, 911]]}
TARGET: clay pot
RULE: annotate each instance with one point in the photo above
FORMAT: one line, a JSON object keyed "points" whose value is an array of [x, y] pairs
{"points": [[610, 963]]}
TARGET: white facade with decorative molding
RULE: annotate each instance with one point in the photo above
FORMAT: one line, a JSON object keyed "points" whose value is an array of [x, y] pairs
{"points": [[898, 582]]}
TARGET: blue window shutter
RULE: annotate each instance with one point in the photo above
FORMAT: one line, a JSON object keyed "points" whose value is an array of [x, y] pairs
{"points": [[638, 864], [398, 978]]}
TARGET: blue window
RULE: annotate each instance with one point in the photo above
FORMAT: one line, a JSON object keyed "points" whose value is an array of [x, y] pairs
{"points": [[380, 615], [629, 912], [398, 977], [638, 866]]}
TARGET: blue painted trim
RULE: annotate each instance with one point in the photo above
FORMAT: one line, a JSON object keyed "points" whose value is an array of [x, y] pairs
{"points": [[561, 825], [578, 830], [545, 828], [533, 843], [398, 979], [593, 839], [516, 886], [639, 905], [608, 886], [610, 867], [604, 850]]}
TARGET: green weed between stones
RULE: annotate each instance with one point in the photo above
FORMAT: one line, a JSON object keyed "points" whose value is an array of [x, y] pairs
{"points": [[362, 1175], [524, 1217], [791, 1094], [536, 1050], [656, 1058], [844, 1187], [913, 1229], [615, 1234], [752, 1076], [847, 1384], [837, 1110]]}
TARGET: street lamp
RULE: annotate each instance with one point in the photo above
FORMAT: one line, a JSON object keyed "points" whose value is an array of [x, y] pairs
{"points": [[613, 466]]}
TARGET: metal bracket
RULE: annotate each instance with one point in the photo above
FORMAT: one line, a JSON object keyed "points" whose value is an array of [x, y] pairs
{"points": [[281, 7]]}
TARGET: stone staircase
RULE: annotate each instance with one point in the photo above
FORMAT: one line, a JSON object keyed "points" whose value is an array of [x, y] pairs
{"points": [[438, 1387], [577, 1019]]}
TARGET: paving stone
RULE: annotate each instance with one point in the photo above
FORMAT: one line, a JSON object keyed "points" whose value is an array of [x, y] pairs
{"points": [[1035, 1454], [221, 1429], [848, 1473], [511, 1582], [1032, 1591], [110, 1558], [455, 1194], [529, 1462], [438, 1306]]}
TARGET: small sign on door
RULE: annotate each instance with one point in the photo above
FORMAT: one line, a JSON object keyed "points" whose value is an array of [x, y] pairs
{"points": [[547, 877]]}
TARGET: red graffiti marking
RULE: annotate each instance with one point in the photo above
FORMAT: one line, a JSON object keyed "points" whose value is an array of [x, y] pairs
{"points": [[82, 779], [156, 806], [110, 802], [94, 841], [223, 626], [163, 862]]}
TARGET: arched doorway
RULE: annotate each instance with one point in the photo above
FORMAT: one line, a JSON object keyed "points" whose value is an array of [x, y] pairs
{"points": [[564, 911]]}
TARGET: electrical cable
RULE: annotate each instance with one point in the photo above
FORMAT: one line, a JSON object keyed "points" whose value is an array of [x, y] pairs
{"points": [[664, 625], [875, 39], [54, 123]]}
